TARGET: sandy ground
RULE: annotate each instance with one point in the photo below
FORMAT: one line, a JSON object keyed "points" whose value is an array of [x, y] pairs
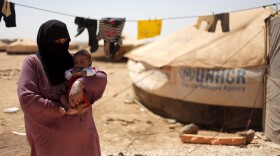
{"points": [[127, 128]]}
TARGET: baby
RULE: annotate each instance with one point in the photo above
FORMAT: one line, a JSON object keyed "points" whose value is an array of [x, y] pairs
{"points": [[82, 67]]}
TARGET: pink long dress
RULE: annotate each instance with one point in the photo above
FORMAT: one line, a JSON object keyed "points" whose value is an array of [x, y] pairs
{"points": [[49, 132]]}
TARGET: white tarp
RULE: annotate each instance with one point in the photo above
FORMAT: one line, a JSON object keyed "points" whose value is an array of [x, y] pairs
{"points": [[239, 87]]}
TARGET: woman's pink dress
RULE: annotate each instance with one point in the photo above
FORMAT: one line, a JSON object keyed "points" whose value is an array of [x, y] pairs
{"points": [[49, 132]]}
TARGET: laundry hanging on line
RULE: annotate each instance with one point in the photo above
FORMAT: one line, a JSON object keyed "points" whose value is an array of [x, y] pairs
{"points": [[212, 20], [149, 28], [91, 26], [222, 17], [110, 30], [8, 12]]}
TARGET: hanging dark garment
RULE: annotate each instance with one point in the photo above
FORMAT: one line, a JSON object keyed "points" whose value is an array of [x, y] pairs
{"points": [[224, 17], [91, 26], [10, 18], [212, 20]]}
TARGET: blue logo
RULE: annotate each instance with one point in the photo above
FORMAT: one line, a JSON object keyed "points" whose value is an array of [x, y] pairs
{"points": [[208, 75], [187, 74]]}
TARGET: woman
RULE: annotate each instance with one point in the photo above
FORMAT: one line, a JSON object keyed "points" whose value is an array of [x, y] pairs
{"points": [[50, 132]]}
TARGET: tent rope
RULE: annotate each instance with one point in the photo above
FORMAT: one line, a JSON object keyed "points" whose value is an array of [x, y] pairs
{"points": [[276, 85]]}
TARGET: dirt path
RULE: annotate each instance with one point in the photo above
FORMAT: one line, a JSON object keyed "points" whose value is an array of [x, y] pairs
{"points": [[127, 128]]}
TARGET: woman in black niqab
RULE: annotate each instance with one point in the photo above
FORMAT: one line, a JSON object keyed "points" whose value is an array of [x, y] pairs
{"points": [[54, 56]]}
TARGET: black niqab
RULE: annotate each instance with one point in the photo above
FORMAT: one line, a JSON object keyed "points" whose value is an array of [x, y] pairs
{"points": [[55, 57]]}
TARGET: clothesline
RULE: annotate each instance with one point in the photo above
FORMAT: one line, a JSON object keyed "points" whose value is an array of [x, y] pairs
{"points": [[170, 18]]}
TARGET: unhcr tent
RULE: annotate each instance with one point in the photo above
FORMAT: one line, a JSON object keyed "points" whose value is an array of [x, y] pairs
{"points": [[214, 80]]}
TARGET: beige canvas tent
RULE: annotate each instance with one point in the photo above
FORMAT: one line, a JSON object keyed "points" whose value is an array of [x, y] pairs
{"points": [[3, 46], [22, 46], [29, 46], [211, 79]]}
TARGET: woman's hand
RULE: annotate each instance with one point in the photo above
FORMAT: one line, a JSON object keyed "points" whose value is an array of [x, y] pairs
{"points": [[79, 110], [70, 111], [76, 94]]}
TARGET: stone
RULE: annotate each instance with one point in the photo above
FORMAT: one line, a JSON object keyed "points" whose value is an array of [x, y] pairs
{"points": [[189, 129]]}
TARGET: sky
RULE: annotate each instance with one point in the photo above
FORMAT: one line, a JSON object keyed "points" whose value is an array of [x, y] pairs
{"points": [[28, 20]]}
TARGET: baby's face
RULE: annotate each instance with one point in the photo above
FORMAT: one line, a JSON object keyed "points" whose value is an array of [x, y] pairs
{"points": [[81, 61]]}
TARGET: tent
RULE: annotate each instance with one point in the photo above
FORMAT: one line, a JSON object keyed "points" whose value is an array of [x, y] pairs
{"points": [[4, 43], [29, 46], [272, 109], [215, 80], [22, 46], [3, 46]]}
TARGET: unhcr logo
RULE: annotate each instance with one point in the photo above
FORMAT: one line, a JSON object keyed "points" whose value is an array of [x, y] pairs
{"points": [[221, 76], [187, 74]]}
